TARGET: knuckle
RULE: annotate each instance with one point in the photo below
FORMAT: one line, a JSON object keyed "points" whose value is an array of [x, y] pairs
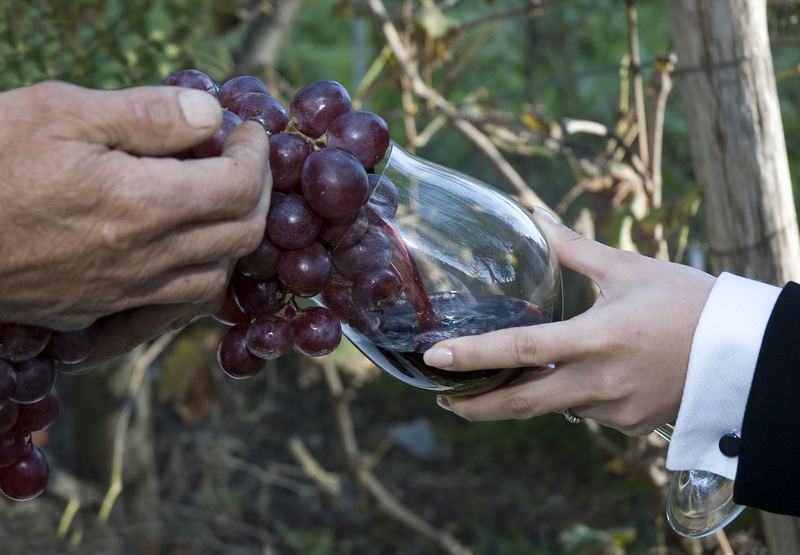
{"points": [[151, 110], [113, 236], [523, 348], [49, 91], [607, 385], [54, 103], [629, 422], [520, 408], [43, 92], [126, 229]]}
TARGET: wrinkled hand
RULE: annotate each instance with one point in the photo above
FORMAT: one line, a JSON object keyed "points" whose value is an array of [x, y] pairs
{"points": [[96, 220], [622, 363]]}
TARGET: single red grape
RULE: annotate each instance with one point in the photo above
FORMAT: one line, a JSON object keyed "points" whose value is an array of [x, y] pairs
{"points": [[233, 356], [334, 182], [287, 152], [317, 331], [363, 134], [373, 252], [262, 263], [377, 290], [72, 347], [269, 336], [214, 145], [38, 416], [291, 223], [257, 296], [239, 85], [35, 378], [317, 104], [336, 296], [20, 342], [262, 108], [26, 478], [236, 86], [304, 272], [192, 79]]}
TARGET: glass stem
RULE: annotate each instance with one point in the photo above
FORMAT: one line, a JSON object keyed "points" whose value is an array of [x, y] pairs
{"points": [[665, 431]]}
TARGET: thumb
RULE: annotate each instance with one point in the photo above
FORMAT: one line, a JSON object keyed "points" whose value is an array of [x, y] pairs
{"points": [[576, 252], [152, 121]]}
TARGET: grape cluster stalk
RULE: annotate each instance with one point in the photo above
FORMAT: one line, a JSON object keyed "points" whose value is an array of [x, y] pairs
{"points": [[327, 233]]}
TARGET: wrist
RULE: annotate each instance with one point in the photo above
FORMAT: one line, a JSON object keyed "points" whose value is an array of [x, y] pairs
{"points": [[723, 356]]}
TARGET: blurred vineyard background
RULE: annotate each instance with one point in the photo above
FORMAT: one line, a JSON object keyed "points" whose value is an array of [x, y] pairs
{"points": [[159, 453]]}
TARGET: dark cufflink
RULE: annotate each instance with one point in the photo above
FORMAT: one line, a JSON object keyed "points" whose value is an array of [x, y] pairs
{"points": [[729, 444]]}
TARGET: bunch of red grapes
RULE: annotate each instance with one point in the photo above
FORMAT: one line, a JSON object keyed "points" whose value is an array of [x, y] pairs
{"points": [[28, 399], [325, 232], [325, 237]]}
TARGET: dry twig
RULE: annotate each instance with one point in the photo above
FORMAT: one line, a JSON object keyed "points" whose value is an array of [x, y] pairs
{"points": [[360, 468], [478, 138], [137, 379], [328, 482]]}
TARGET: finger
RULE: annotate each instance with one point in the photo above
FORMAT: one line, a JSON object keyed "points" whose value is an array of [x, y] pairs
{"points": [[539, 394], [148, 198], [204, 241], [238, 181], [197, 284], [574, 251], [203, 244], [149, 121], [512, 347], [229, 186]]}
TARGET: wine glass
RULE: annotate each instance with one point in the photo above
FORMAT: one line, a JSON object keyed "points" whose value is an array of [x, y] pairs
{"points": [[470, 260], [698, 502]]}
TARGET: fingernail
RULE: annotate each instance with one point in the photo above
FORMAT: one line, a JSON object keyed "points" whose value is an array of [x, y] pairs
{"points": [[442, 401], [541, 211], [199, 108], [440, 357]]}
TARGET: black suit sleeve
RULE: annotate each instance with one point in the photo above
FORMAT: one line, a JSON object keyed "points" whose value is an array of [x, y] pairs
{"points": [[768, 475]]}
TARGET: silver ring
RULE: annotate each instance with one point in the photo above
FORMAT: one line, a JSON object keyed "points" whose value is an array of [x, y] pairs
{"points": [[571, 418]]}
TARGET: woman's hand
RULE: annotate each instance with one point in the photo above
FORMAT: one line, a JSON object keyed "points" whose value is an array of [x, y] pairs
{"points": [[622, 363]]}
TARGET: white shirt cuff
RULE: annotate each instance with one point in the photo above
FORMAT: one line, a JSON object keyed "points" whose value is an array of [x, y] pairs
{"points": [[722, 361]]}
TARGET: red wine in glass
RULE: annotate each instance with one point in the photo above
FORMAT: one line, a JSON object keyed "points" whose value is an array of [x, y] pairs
{"points": [[469, 258], [418, 321]]}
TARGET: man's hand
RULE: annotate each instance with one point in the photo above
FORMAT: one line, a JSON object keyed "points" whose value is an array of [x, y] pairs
{"points": [[96, 218]]}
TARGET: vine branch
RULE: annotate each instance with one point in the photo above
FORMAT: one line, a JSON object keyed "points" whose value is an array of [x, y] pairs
{"points": [[478, 138]]}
